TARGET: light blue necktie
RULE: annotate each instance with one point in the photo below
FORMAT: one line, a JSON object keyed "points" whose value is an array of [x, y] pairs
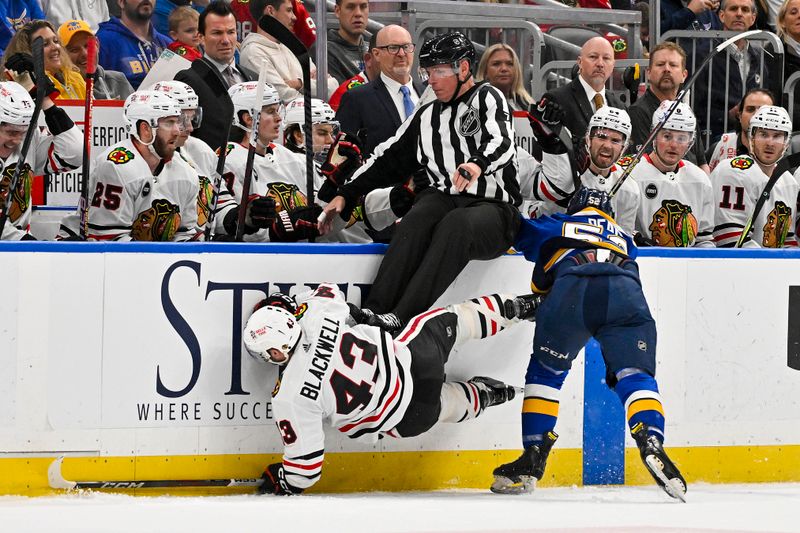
{"points": [[408, 105]]}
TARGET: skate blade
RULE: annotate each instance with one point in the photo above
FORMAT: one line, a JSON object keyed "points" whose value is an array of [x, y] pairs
{"points": [[504, 485], [673, 487]]}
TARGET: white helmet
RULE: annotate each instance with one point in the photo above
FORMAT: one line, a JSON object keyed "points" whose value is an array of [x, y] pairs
{"points": [[771, 117], [271, 327], [611, 118], [180, 91], [321, 112], [682, 119], [149, 106], [16, 105], [244, 99]]}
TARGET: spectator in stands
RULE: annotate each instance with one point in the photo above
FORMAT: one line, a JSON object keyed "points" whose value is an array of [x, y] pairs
{"points": [[788, 23], [666, 71], [283, 69], [14, 15], [346, 46], [92, 11], [689, 15], [737, 142], [372, 69], [644, 29], [183, 24], [215, 72], [732, 73], [65, 76], [108, 84], [500, 66], [582, 97], [375, 110], [164, 8], [130, 44]]}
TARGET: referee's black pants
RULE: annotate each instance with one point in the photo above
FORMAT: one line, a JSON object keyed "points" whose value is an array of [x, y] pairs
{"points": [[432, 245]]}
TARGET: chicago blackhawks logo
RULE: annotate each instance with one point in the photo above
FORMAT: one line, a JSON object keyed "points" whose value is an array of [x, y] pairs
{"points": [[159, 223], [120, 156], [620, 45], [205, 197], [355, 82], [625, 161], [779, 220], [21, 196], [673, 225], [742, 163]]}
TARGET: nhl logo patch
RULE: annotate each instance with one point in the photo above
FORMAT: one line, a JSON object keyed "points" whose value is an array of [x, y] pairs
{"points": [[469, 123], [651, 191], [120, 156], [642, 345], [742, 163]]}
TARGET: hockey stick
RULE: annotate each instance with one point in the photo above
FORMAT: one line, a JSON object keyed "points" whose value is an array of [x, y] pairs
{"points": [[37, 51], [83, 203], [251, 153], [56, 481], [275, 28], [762, 199], [684, 89], [218, 181]]}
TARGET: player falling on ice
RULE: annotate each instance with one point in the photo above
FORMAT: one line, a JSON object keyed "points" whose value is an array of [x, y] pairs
{"points": [[366, 383], [586, 265]]}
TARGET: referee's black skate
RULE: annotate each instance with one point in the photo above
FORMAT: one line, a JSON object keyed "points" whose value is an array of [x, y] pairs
{"points": [[520, 476], [523, 307], [387, 321], [492, 392], [657, 463]]}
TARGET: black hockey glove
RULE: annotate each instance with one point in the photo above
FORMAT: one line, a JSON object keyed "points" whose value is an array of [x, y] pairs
{"points": [[359, 316], [642, 241], [260, 214], [278, 299], [275, 482], [401, 198], [344, 157], [296, 225], [546, 118], [20, 68]]}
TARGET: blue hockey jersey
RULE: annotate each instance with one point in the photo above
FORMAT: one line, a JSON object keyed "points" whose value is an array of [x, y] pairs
{"points": [[548, 240], [13, 15]]}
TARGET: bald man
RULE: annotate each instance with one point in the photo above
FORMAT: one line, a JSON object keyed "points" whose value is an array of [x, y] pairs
{"points": [[581, 97]]}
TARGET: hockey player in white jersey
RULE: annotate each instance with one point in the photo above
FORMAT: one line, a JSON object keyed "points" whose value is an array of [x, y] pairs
{"points": [[360, 379], [737, 142], [737, 184], [677, 205], [139, 190], [607, 136], [324, 127], [278, 174], [57, 148]]}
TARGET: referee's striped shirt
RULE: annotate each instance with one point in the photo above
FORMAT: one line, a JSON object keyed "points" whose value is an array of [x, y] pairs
{"points": [[475, 128]]}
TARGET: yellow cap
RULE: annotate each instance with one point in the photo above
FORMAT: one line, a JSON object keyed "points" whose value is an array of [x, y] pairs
{"points": [[67, 30]]}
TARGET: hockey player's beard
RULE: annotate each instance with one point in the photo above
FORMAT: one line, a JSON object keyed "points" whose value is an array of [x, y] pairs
{"points": [[163, 148]]}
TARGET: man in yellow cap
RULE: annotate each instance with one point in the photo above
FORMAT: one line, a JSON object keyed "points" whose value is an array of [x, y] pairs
{"points": [[109, 84]]}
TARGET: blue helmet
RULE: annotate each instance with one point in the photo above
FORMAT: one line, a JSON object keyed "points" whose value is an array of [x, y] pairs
{"points": [[585, 197]]}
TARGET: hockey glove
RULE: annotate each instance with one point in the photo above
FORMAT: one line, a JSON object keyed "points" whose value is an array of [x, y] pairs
{"points": [[344, 157], [19, 67], [401, 198], [640, 240], [260, 214], [278, 299], [296, 225], [546, 118], [275, 482]]}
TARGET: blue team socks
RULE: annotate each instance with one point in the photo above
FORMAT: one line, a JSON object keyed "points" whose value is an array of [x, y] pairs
{"points": [[540, 406], [638, 392]]}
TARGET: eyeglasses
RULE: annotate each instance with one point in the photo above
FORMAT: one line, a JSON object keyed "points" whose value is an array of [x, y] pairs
{"points": [[603, 137], [394, 49]]}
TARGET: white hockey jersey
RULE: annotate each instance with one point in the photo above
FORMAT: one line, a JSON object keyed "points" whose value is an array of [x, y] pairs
{"points": [[129, 202], [204, 161], [677, 208], [547, 181], [737, 183], [353, 376], [724, 149], [48, 154]]}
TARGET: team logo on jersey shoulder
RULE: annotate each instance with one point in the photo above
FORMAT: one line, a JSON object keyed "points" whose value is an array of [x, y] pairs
{"points": [[227, 149], [625, 161], [469, 124], [120, 156], [619, 45], [300, 311], [741, 162], [354, 83]]}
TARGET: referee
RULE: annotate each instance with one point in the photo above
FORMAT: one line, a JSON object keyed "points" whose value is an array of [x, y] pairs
{"points": [[464, 143]]}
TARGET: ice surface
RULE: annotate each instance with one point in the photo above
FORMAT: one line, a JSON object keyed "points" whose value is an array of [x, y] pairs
{"points": [[711, 508]]}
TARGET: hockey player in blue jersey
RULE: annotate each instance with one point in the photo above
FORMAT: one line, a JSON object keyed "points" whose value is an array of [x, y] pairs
{"points": [[585, 265]]}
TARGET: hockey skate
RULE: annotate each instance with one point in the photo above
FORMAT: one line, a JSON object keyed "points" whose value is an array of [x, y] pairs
{"points": [[387, 321], [493, 392], [657, 463], [520, 476], [523, 307]]}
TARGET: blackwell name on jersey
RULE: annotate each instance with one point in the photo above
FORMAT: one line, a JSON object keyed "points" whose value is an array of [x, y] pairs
{"points": [[326, 340]]}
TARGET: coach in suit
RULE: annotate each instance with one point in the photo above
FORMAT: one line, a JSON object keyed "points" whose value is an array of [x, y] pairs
{"points": [[211, 75], [375, 110], [584, 95]]}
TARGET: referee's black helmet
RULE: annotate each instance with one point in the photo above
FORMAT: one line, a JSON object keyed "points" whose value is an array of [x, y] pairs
{"points": [[449, 49]]}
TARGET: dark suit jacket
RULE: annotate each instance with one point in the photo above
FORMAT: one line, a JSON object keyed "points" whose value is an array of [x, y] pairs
{"points": [[369, 110], [212, 91]]}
